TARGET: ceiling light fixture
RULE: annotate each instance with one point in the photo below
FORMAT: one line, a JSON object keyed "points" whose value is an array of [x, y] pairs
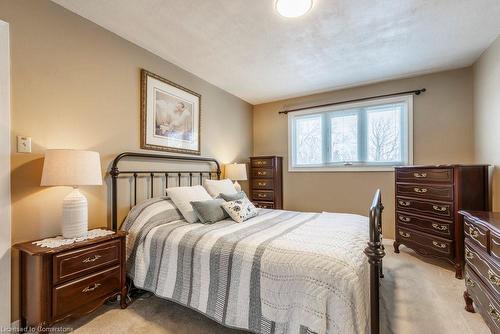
{"points": [[293, 8]]}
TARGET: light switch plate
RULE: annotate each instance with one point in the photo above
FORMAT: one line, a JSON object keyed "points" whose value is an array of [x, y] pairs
{"points": [[23, 144]]}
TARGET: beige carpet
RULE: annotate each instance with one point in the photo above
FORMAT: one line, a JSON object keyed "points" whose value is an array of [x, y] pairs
{"points": [[418, 296]]}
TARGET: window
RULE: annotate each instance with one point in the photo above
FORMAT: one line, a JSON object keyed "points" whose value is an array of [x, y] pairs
{"points": [[372, 135]]}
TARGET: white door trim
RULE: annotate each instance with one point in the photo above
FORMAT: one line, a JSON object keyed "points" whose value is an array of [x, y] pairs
{"points": [[5, 215]]}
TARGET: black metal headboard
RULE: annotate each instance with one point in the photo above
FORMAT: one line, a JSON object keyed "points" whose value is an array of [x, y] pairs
{"points": [[115, 172]]}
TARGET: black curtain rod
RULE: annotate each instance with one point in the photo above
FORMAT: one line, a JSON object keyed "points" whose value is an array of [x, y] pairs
{"points": [[416, 92]]}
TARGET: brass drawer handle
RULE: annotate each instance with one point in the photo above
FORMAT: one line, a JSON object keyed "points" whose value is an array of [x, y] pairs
{"points": [[404, 203], [439, 244], [440, 227], [420, 175], [91, 288], [92, 258], [261, 173], [404, 234], [493, 278], [420, 190], [468, 254], [440, 208], [404, 219], [492, 311], [261, 195], [469, 282], [473, 233], [260, 162], [261, 183]]}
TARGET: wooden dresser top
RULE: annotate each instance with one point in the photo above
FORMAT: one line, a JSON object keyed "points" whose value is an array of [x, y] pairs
{"points": [[486, 218]]}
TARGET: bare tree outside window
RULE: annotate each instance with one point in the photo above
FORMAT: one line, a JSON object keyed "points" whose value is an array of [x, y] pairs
{"points": [[308, 136], [383, 136]]}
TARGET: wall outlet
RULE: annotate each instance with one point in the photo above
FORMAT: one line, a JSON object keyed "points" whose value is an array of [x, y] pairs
{"points": [[23, 144]]}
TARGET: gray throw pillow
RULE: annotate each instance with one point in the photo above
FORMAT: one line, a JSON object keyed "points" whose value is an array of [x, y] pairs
{"points": [[232, 197], [209, 211]]}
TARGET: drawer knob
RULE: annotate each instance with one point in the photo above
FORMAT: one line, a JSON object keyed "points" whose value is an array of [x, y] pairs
{"points": [[493, 278], [404, 203], [468, 254], [404, 234], [420, 175], [420, 190], [91, 288], [404, 219], [440, 208], [440, 227], [92, 258], [469, 282], [492, 311], [473, 233], [439, 244]]}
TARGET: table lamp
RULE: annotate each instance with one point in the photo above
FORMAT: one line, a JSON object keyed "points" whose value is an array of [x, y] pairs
{"points": [[72, 168], [236, 172]]}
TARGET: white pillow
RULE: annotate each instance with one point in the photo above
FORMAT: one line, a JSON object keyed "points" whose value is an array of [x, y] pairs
{"points": [[216, 187], [240, 210], [182, 196]]}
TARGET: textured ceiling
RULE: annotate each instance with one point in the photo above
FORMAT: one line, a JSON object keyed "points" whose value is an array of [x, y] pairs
{"points": [[246, 48]]}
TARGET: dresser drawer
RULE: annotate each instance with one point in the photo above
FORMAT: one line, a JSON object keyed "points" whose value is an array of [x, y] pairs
{"points": [[435, 209], [77, 293], [262, 184], [484, 302], [477, 234], [433, 226], [262, 173], [432, 245], [424, 175], [264, 205], [495, 246], [437, 192], [71, 264], [482, 264], [262, 162], [262, 195]]}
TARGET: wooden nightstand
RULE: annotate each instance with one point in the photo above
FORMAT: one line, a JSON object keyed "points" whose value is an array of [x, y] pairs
{"points": [[71, 280]]}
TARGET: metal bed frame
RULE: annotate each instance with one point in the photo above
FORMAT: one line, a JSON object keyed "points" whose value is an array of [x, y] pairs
{"points": [[374, 250]]}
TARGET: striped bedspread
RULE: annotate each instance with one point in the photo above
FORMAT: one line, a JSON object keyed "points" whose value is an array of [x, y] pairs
{"points": [[279, 272]]}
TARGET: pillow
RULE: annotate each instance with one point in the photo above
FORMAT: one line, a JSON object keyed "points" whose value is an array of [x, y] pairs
{"points": [[215, 187], [182, 196], [232, 197], [240, 210], [210, 211]]}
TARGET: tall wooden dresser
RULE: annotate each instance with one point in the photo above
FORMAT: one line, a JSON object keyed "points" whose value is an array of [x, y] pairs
{"points": [[428, 199], [266, 182], [482, 265]]}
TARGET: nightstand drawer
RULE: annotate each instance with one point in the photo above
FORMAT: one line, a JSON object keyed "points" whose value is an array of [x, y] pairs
{"points": [[72, 264], [76, 294]]}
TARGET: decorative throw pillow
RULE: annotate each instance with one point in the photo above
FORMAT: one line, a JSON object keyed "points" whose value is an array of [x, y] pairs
{"points": [[215, 187], [240, 210], [210, 211], [232, 197], [182, 198]]}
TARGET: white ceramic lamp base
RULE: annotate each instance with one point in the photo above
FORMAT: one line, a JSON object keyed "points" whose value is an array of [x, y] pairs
{"points": [[75, 215]]}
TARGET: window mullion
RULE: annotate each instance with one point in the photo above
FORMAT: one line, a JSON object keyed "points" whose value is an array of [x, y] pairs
{"points": [[362, 136], [325, 136]]}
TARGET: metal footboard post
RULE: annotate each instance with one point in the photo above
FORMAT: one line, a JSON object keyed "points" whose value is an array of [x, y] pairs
{"points": [[375, 253]]}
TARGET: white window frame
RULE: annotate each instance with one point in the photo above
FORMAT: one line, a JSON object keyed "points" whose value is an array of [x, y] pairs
{"points": [[340, 107]]}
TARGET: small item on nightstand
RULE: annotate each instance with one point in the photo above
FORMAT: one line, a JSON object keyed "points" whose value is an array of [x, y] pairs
{"points": [[72, 279], [236, 172], [72, 168]]}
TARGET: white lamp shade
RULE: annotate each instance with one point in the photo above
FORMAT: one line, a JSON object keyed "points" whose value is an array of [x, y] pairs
{"points": [[236, 172], [71, 168]]}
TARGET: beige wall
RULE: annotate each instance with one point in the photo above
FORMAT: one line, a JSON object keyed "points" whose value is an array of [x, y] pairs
{"points": [[442, 134], [4, 174], [76, 85], [487, 114]]}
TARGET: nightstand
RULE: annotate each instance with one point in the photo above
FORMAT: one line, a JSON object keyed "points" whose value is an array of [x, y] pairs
{"points": [[70, 280]]}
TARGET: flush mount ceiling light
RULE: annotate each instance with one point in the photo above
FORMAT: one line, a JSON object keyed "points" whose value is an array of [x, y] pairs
{"points": [[293, 8]]}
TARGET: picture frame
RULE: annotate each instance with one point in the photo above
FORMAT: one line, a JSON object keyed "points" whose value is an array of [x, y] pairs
{"points": [[170, 116]]}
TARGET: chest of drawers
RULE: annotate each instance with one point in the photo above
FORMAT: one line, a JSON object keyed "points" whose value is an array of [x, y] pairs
{"points": [[428, 199], [266, 181], [482, 266], [70, 280]]}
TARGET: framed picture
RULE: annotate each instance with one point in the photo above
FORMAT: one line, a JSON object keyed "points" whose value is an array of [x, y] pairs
{"points": [[170, 116]]}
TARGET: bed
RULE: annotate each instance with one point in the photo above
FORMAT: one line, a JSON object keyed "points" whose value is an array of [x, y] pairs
{"points": [[279, 272]]}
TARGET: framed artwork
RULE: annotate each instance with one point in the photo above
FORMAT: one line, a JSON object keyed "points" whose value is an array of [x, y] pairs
{"points": [[170, 116]]}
